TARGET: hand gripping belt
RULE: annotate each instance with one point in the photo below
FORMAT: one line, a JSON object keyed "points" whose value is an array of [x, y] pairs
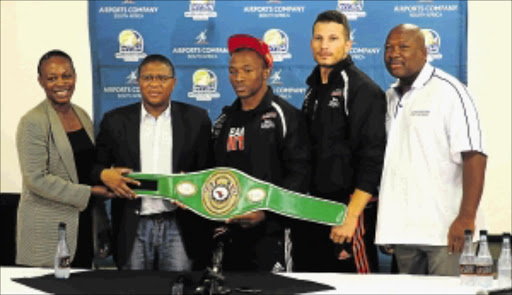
{"points": [[223, 193]]}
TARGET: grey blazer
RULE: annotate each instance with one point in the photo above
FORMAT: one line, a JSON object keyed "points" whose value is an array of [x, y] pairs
{"points": [[50, 191]]}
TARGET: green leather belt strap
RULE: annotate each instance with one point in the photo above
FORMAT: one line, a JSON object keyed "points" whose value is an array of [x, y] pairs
{"points": [[223, 193]]}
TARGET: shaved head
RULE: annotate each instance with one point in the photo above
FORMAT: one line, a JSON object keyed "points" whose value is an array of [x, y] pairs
{"points": [[413, 31], [405, 52]]}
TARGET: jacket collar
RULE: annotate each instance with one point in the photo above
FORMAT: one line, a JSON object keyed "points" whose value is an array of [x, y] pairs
{"points": [[264, 105], [314, 78], [61, 141]]}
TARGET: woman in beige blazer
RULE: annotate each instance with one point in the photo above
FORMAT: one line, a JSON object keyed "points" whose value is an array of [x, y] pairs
{"points": [[55, 148]]}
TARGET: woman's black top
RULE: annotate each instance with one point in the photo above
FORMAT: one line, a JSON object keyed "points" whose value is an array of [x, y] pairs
{"points": [[83, 152]]}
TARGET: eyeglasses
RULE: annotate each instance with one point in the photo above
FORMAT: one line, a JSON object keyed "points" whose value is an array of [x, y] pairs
{"points": [[158, 78]]}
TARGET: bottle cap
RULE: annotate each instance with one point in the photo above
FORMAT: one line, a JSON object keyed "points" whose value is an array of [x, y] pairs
{"points": [[483, 232], [506, 235], [62, 225], [467, 231]]}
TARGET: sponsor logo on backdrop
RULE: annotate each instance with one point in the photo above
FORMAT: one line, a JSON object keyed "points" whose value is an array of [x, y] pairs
{"points": [[131, 46], [201, 39], [358, 52], [128, 10], [275, 79], [425, 8], [278, 44], [129, 90], [283, 90], [201, 51], [204, 85], [200, 10], [353, 9], [274, 9], [131, 79], [433, 44]]}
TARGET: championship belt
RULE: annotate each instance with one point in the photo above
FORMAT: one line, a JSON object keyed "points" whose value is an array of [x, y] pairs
{"points": [[223, 193]]}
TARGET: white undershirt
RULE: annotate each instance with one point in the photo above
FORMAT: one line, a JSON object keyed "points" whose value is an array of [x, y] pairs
{"points": [[155, 154]]}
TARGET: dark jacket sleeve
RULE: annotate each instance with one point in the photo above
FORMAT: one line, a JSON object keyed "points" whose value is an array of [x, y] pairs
{"points": [[204, 152], [296, 154], [368, 136], [104, 149]]}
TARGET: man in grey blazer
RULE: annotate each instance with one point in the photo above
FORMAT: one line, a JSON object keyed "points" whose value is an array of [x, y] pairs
{"points": [[155, 136], [51, 192]]}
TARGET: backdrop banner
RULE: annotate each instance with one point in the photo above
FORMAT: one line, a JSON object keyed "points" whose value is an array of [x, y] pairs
{"points": [[194, 34]]}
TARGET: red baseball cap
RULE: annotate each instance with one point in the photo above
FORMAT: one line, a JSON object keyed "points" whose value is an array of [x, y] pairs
{"points": [[238, 41]]}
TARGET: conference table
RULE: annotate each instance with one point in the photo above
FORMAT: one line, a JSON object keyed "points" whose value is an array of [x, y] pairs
{"points": [[27, 280]]}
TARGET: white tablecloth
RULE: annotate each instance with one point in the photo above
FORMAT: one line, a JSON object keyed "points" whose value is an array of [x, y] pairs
{"points": [[344, 283]]}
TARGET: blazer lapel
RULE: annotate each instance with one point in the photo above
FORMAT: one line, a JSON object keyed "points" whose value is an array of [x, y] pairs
{"points": [[62, 142], [133, 136], [178, 137]]}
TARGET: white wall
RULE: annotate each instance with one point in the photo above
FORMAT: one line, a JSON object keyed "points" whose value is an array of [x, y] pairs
{"points": [[30, 28]]}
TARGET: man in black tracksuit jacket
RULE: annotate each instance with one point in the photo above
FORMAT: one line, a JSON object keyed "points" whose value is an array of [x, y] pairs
{"points": [[345, 113], [265, 137]]}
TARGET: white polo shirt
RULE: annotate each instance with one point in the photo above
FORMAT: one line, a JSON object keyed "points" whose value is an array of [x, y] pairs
{"points": [[421, 187], [155, 154]]}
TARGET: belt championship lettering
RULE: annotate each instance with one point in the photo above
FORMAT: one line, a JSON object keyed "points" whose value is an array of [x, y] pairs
{"points": [[223, 193]]}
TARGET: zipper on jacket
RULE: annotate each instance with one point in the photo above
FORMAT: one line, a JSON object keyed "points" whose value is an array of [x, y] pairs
{"points": [[315, 106]]}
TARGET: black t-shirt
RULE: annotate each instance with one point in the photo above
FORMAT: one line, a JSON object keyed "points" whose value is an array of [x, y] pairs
{"points": [[238, 146]]}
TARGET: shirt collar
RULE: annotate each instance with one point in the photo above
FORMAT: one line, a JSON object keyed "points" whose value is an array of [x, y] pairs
{"points": [[425, 74], [145, 115]]}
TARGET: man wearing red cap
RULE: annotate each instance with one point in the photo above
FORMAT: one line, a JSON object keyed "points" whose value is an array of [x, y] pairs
{"points": [[345, 111], [265, 137]]}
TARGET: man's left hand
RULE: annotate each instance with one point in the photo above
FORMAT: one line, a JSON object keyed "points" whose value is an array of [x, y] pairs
{"points": [[456, 233], [249, 219]]}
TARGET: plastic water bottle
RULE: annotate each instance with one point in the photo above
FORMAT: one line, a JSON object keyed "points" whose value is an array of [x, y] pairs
{"points": [[484, 262], [62, 257], [467, 261], [504, 263]]}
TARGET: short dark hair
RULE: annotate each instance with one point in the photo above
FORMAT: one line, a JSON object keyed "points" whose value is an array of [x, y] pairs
{"points": [[155, 58], [334, 16], [53, 53]]}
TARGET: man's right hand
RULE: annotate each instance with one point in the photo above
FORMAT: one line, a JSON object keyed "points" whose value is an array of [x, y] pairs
{"points": [[114, 178]]}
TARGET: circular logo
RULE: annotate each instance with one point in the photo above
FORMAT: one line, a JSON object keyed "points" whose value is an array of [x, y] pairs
{"points": [[277, 40], [432, 40], [256, 195], [186, 189], [129, 38], [220, 193]]}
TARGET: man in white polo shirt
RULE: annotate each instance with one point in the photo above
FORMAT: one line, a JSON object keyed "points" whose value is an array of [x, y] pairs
{"points": [[434, 166]]}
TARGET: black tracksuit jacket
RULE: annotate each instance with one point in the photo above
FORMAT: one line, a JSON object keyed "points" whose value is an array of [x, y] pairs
{"points": [[276, 140], [275, 149], [346, 120]]}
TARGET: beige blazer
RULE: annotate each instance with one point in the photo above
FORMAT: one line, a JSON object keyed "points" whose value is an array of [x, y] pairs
{"points": [[50, 192]]}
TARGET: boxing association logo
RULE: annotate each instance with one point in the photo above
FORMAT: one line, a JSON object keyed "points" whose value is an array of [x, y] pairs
{"points": [[433, 44], [200, 10], [353, 9], [278, 43], [131, 46], [204, 85]]}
